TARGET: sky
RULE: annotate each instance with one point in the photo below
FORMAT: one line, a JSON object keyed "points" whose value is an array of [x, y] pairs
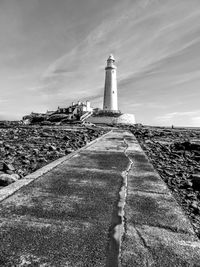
{"points": [[53, 52]]}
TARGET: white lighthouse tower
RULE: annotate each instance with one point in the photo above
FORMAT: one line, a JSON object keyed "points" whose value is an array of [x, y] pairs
{"points": [[110, 91], [110, 115]]}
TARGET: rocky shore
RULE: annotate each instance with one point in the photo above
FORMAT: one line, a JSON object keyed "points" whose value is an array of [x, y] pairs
{"points": [[175, 154], [24, 149]]}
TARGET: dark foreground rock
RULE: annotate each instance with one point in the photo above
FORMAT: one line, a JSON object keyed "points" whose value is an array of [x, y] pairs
{"points": [[24, 149], [175, 154]]}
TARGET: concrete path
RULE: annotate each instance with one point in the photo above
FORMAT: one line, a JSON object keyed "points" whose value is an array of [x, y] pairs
{"points": [[101, 206]]}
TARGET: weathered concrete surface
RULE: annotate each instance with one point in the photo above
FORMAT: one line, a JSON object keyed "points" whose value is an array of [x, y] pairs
{"points": [[69, 215], [157, 231], [66, 216]]}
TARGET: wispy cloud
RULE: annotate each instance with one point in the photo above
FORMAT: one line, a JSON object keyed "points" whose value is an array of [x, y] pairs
{"points": [[145, 47], [53, 53]]}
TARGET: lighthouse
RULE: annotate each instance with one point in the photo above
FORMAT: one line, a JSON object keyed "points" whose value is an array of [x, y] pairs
{"points": [[110, 115], [110, 90]]}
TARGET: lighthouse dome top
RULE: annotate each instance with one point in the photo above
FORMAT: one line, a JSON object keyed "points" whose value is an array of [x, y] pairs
{"points": [[111, 57]]}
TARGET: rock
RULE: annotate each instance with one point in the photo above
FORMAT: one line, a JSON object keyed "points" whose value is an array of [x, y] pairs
{"points": [[34, 166], [6, 179], [42, 159], [15, 176], [69, 150], [187, 184], [2, 150], [182, 157], [197, 158], [195, 146], [6, 167], [36, 151], [26, 161], [52, 148], [191, 196], [169, 173], [28, 148], [46, 123], [44, 134], [57, 117], [6, 146], [196, 181], [20, 172], [9, 167], [1, 165], [196, 153], [66, 137], [9, 172], [194, 205], [24, 157], [147, 141]]}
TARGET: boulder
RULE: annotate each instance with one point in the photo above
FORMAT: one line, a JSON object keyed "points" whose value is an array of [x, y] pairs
{"points": [[15, 176], [6, 179]]}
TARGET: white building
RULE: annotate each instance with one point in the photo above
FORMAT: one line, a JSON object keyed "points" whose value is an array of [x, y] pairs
{"points": [[76, 111], [110, 90]]}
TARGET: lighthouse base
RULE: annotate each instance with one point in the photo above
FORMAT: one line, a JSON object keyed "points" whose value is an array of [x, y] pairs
{"points": [[116, 119]]}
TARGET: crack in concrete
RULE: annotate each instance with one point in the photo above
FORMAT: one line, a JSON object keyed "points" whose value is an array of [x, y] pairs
{"points": [[151, 192], [142, 239], [167, 228], [117, 230], [149, 260], [120, 228]]}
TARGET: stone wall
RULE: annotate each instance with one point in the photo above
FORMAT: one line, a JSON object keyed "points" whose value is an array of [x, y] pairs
{"points": [[122, 119]]}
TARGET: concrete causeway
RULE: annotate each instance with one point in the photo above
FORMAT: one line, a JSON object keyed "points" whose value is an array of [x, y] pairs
{"points": [[103, 205]]}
